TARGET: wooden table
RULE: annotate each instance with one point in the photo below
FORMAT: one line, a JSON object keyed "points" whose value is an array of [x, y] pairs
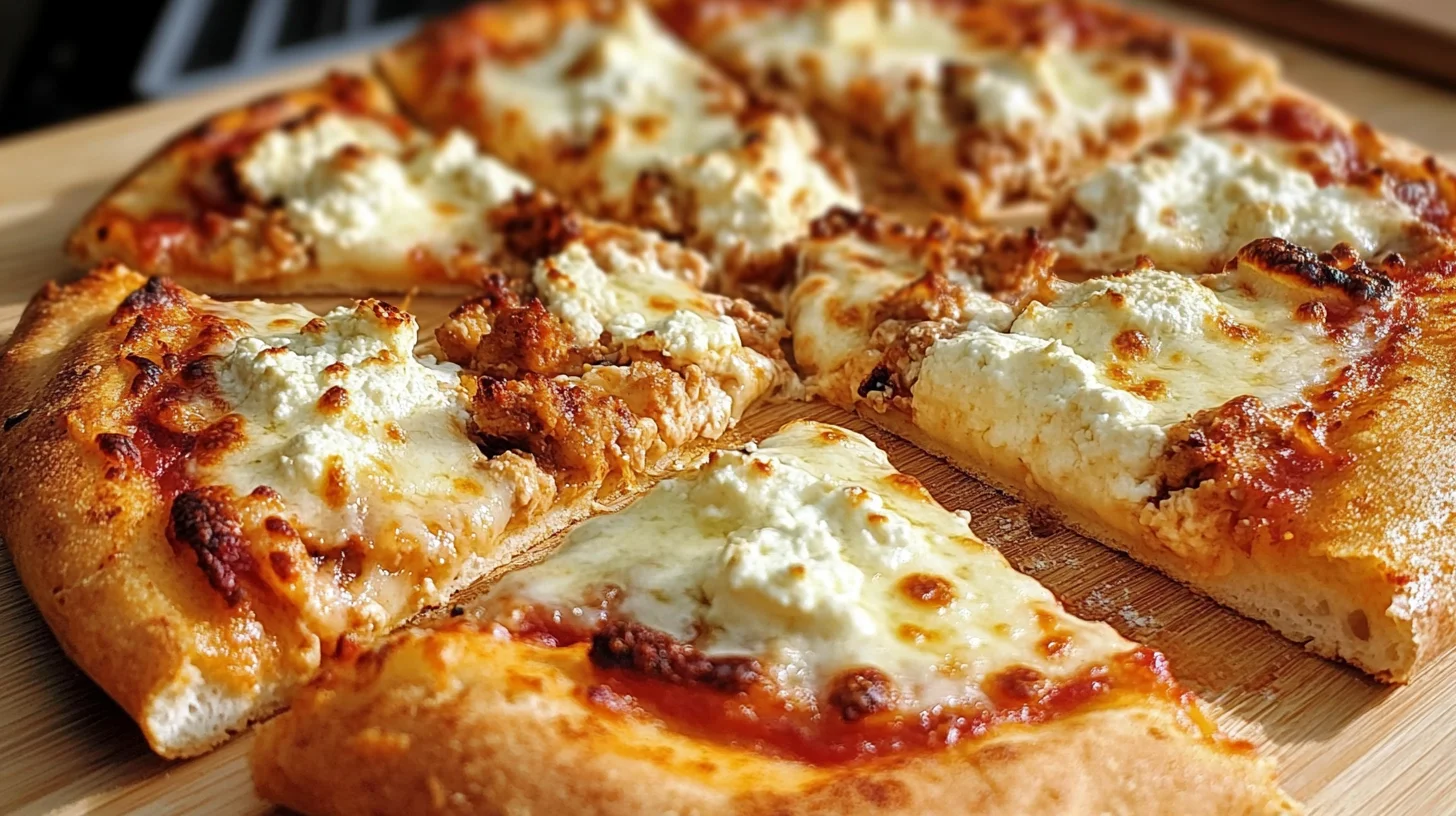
{"points": [[1345, 744]]}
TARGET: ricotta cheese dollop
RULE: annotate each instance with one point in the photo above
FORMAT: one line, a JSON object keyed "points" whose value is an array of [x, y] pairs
{"points": [[364, 197], [1082, 390], [1191, 202], [812, 554]]}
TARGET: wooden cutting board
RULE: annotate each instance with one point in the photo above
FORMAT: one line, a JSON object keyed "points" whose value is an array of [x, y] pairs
{"points": [[1345, 744]]}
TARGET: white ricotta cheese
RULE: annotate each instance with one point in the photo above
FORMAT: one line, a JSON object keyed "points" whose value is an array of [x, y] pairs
{"points": [[796, 553], [635, 301], [761, 196], [1192, 201], [366, 199], [910, 47], [1081, 390], [396, 430]]}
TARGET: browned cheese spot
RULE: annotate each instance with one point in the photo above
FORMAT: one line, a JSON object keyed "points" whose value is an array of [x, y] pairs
{"points": [[931, 590]]}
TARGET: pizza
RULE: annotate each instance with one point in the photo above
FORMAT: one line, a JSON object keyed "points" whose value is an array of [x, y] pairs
{"points": [[207, 499], [986, 105], [318, 190], [1294, 168], [608, 356], [794, 626], [1261, 433], [601, 104], [1224, 349]]}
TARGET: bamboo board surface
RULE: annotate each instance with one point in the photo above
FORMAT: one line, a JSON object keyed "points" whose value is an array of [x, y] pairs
{"points": [[1345, 744]]}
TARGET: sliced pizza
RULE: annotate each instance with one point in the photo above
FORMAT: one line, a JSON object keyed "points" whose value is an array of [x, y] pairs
{"points": [[319, 190], [985, 104], [608, 355], [207, 498], [795, 626], [1295, 169], [601, 104], [1263, 434]]}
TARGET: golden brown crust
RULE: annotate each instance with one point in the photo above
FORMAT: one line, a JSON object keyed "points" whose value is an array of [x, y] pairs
{"points": [[460, 720], [92, 551]]}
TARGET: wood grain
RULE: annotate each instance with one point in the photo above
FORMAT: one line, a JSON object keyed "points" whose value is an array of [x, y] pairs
{"points": [[1345, 744]]}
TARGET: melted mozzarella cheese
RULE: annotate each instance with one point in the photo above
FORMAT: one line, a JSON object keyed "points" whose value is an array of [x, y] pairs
{"points": [[661, 98], [1082, 390], [631, 298], [799, 553], [670, 113], [841, 283], [908, 48], [391, 434], [762, 195], [1192, 201], [365, 198]]}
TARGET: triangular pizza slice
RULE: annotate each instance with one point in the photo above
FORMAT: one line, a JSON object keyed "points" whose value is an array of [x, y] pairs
{"points": [[1264, 433], [604, 106], [208, 498], [792, 627], [322, 189]]}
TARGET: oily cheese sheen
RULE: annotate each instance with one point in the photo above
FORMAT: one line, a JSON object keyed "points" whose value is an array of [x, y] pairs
{"points": [[799, 552], [340, 401], [598, 70], [906, 45]]}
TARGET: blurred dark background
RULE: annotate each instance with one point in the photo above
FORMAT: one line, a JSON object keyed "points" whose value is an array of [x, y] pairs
{"points": [[62, 59]]}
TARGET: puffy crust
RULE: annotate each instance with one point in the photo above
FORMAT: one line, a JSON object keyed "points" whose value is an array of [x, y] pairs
{"points": [[91, 551], [155, 622], [460, 720]]}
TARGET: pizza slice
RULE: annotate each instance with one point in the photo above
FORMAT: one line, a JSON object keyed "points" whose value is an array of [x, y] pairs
{"points": [[319, 190], [608, 356], [795, 626], [602, 105], [205, 499], [1263, 434], [1295, 169], [985, 104]]}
